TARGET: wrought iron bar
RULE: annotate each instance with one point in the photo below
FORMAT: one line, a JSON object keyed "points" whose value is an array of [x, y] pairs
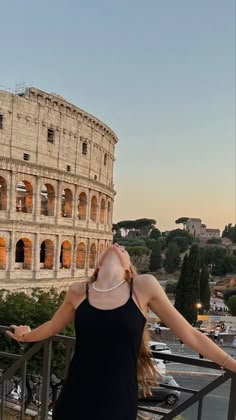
{"points": [[47, 356], [232, 400], [23, 393]]}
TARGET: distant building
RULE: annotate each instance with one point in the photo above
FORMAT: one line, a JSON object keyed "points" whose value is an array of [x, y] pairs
{"points": [[200, 230]]}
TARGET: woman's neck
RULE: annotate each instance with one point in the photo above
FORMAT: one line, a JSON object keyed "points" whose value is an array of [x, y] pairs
{"points": [[108, 277]]}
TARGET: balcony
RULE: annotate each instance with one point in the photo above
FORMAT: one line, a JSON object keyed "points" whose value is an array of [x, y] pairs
{"points": [[37, 402]]}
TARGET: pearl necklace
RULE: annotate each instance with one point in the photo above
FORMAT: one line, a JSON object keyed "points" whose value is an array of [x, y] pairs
{"points": [[107, 290]]}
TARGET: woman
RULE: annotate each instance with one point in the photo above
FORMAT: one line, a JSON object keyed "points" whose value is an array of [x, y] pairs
{"points": [[111, 352]]}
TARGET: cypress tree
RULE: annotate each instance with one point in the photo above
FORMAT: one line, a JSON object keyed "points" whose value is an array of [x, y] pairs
{"points": [[172, 258], [187, 292], [205, 292], [155, 257]]}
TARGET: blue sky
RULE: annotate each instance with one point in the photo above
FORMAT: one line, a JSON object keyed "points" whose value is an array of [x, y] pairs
{"points": [[160, 73]]}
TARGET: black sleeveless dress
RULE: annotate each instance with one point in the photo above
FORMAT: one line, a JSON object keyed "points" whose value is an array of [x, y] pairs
{"points": [[102, 379]]}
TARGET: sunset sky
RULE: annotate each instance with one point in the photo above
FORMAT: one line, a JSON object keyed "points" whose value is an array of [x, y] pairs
{"points": [[160, 73]]}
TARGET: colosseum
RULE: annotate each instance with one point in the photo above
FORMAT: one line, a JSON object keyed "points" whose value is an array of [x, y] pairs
{"points": [[56, 190]]}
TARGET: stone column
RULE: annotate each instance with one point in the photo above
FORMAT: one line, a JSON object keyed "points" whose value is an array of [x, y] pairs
{"points": [[58, 202], [37, 199], [11, 253], [87, 257], [12, 201], [73, 260], [36, 253], [58, 252], [75, 207]]}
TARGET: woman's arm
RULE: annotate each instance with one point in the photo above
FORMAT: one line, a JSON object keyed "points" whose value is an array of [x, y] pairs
{"points": [[162, 307], [62, 317]]}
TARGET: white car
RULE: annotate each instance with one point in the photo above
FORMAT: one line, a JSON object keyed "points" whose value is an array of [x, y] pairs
{"points": [[159, 366], [159, 346]]}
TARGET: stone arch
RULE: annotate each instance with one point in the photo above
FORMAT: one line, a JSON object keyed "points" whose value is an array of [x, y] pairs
{"points": [[93, 209], [92, 256], [3, 194], [102, 211], [81, 255], [47, 200], [3, 254], [23, 256], [46, 254], [66, 202], [24, 197], [101, 248], [65, 255], [82, 206]]}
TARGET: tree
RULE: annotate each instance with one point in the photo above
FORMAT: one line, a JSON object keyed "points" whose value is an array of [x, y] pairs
{"points": [[155, 234], [187, 292], [227, 294], [231, 303], [183, 221], [176, 234], [184, 299], [230, 232], [155, 257], [194, 271], [136, 227], [172, 258], [21, 309], [171, 286], [205, 292]]}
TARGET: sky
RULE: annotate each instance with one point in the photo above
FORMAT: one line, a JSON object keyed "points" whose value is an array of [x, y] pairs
{"points": [[161, 74]]}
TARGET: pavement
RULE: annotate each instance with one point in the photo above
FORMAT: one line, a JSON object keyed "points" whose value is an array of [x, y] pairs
{"points": [[180, 369]]}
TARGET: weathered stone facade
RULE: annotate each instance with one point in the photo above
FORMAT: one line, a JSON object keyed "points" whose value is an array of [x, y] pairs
{"points": [[56, 190]]}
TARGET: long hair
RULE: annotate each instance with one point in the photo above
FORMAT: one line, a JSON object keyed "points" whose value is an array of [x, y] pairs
{"points": [[146, 372]]}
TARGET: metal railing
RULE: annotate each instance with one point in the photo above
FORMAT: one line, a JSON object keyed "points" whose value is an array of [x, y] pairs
{"points": [[45, 400]]}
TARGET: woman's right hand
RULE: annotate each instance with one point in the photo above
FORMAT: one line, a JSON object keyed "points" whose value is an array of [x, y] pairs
{"points": [[18, 332]]}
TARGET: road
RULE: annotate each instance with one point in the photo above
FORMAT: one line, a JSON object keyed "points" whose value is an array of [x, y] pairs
{"points": [[215, 405]]}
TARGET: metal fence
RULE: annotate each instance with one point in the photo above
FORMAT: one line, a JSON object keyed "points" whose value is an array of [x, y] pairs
{"points": [[41, 404]]}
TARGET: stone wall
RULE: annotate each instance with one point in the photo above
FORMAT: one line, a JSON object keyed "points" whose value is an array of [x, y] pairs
{"points": [[56, 189]]}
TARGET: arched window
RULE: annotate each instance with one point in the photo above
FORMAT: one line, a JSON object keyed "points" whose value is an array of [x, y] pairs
{"points": [[92, 256], [84, 148], [101, 248], [109, 213], [3, 194], [23, 258], [81, 255], [47, 200], [105, 159], [102, 212], [66, 203], [82, 206], [93, 210], [65, 256], [24, 197], [46, 254], [2, 254]]}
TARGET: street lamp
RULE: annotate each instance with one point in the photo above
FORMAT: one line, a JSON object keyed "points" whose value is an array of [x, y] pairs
{"points": [[198, 306]]}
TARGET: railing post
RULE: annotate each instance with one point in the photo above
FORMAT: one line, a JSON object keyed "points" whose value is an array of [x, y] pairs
{"points": [[199, 413], [3, 400], [46, 379], [22, 413], [232, 399]]}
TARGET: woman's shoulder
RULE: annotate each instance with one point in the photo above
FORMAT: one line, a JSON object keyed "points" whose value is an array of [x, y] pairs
{"points": [[146, 283], [145, 279], [78, 288]]}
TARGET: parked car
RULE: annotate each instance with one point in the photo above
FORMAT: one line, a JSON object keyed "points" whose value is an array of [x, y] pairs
{"points": [[158, 347], [162, 394], [159, 366]]}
